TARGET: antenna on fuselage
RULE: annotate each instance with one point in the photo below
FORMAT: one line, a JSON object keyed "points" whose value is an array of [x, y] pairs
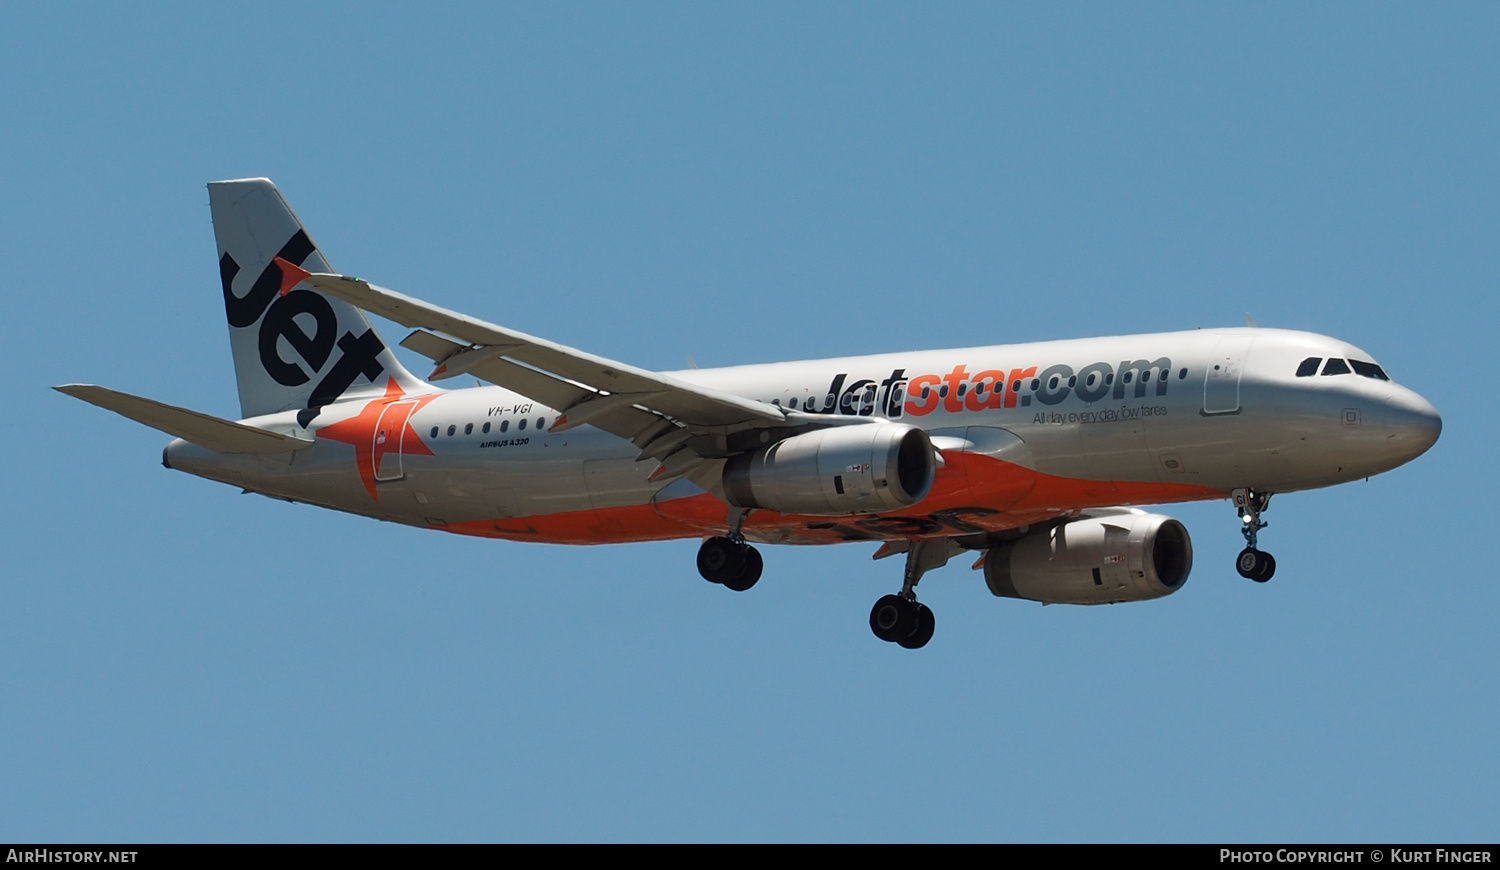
{"points": [[1250, 321]]}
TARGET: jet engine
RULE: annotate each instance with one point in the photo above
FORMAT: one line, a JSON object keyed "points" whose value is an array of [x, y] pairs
{"points": [[1131, 556], [840, 470]]}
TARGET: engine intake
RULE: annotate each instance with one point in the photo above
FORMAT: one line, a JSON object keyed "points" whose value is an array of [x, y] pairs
{"points": [[835, 471], [1096, 560]]}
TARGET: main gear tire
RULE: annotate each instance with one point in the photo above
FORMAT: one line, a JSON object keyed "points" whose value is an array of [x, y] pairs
{"points": [[751, 566], [892, 618], [926, 623], [721, 560]]}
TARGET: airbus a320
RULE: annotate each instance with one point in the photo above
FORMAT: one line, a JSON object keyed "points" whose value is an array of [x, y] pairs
{"points": [[1029, 456]]}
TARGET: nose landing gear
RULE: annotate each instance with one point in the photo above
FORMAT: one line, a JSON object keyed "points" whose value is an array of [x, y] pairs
{"points": [[1252, 563]]}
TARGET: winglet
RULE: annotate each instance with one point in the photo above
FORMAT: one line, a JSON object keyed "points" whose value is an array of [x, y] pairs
{"points": [[291, 274]]}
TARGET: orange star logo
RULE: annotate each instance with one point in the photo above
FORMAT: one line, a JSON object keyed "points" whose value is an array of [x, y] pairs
{"points": [[382, 427]]}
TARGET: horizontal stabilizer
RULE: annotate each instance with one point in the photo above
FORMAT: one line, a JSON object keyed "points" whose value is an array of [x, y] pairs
{"points": [[218, 435]]}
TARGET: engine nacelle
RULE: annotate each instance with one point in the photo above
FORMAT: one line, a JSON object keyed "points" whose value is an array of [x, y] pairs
{"points": [[1096, 560], [864, 468]]}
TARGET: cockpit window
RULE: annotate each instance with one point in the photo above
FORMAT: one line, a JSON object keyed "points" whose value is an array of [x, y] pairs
{"points": [[1368, 370], [1336, 366], [1309, 367]]}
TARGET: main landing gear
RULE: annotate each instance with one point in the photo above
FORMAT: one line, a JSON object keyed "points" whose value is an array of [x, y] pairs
{"points": [[902, 619], [728, 559], [1252, 563]]}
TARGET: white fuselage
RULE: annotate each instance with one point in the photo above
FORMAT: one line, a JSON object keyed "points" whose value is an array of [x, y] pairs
{"points": [[1027, 432]]}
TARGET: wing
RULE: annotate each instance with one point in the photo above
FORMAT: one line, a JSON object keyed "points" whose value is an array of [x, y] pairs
{"points": [[663, 416]]}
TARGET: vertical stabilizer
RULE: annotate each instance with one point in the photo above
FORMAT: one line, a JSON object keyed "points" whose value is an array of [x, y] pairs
{"points": [[298, 350]]}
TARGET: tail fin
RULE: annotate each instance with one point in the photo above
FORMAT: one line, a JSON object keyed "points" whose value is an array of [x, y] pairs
{"points": [[299, 350]]}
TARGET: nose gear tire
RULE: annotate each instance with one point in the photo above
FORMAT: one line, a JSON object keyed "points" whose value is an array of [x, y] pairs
{"points": [[1255, 565]]}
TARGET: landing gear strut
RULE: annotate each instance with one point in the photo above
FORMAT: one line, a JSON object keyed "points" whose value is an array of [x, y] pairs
{"points": [[1252, 563], [728, 559], [901, 618]]}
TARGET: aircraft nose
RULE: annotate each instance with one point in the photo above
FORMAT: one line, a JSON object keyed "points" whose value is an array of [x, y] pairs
{"points": [[1412, 422]]}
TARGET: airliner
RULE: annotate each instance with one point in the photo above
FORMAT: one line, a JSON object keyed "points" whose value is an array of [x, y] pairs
{"points": [[1030, 457]]}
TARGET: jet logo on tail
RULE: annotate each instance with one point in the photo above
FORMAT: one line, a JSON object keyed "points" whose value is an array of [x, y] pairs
{"points": [[272, 301]]}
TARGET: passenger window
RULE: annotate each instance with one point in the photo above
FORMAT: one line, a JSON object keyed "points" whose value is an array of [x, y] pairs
{"points": [[434, 431], [792, 403], [451, 430], [521, 424], [1309, 367], [486, 429], [1182, 375], [541, 422], [468, 428], [504, 425], [1336, 366], [1368, 370]]}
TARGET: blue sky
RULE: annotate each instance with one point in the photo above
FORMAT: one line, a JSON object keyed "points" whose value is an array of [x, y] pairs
{"points": [[741, 184]]}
